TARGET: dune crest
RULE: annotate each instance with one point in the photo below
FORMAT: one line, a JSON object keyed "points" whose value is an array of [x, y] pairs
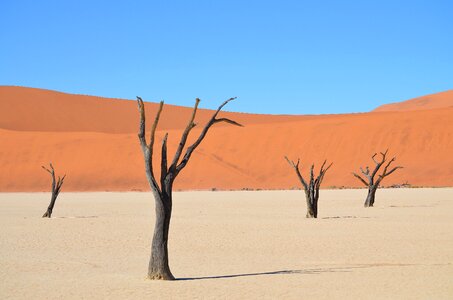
{"points": [[433, 101], [32, 109]]}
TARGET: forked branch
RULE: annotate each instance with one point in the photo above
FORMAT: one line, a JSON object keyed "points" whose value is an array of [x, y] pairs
{"points": [[184, 136], [295, 166], [203, 133], [360, 178], [147, 149], [174, 168]]}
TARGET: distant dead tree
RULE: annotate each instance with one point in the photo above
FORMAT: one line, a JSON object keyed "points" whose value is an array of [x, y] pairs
{"points": [[56, 187], [370, 181], [158, 268], [312, 187]]}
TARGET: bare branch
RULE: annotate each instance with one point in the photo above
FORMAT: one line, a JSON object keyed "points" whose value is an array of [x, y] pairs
{"points": [[291, 163], [226, 120], [322, 172], [393, 170], [311, 174], [221, 106], [378, 165], [296, 168], [52, 174], [153, 129], [203, 133], [163, 166], [388, 164], [47, 170], [325, 170], [51, 170], [148, 149], [322, 167], [374, 155], [59, 180], [386, 173], [366, 172], [141, 131], [184, 136], [360, 178]]}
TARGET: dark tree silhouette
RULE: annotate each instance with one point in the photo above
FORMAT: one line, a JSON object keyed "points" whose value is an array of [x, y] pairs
{"points": [[369, 180], [311, 187], [56, 187], [158, 268]]}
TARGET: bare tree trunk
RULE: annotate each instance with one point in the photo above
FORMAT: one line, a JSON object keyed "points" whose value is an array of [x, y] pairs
{"points": [[312, 204], [48, 213], [310, 207], [310, 212], [315, 203], [158, 268], [369, 202]]}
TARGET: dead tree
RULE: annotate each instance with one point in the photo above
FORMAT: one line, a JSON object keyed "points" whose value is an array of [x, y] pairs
{"points": [[158, 268], [312, 187], [56, 187], [370, 181]]}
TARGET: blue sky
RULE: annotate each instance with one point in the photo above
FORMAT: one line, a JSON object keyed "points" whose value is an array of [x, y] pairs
{"points": [[293, 57]]}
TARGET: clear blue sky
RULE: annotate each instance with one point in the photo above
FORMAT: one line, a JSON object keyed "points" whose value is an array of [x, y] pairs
{"points": [[297, 57]]}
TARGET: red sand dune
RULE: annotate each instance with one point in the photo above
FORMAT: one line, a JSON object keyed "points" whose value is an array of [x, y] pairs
{"points": [[438, 100], [93, 140], [30, 109]]}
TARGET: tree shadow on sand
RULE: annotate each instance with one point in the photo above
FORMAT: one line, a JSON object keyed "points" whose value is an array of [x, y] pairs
{"points": [[411, 206], [346, 217], [282, 272], [76, 217], [312, 271]]}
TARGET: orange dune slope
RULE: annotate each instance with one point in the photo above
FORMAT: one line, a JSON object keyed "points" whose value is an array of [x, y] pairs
{"points": [[97, 157], [438, 100]]}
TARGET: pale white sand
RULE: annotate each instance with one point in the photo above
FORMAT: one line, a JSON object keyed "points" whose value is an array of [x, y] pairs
{"points": [[250, 245]]}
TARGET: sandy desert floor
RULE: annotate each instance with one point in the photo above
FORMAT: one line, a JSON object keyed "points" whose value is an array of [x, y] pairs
{"points": [[229, 245]]}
